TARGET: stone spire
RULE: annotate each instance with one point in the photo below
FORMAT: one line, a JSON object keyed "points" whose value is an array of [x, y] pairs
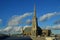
{"points": [[34, 23], [34, 10], [35, 29], [34, 17]]}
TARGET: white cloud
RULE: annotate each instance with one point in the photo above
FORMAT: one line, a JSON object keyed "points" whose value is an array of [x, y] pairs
{"points": [[12, 26], [48, 27], [55, 27], [7, 29], [29, 21], [57, 21], [48, 15], [15, 20], [16, 29], [11, 30]]}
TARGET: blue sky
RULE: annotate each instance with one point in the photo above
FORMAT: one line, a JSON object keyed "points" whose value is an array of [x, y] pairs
{"points": [[9, 8]]}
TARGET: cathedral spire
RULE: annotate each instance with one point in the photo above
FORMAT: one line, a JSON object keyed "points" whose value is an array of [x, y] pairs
{"points": [[35, 29], [34, 10], [34, 23]]}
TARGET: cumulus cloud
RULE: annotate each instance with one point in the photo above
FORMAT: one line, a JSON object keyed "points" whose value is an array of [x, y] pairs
{"points": [[7, 29], [57, 22], [11, 30], [48, 27], [15, 20], [48, 15], [13, 23], [16, 29], [55, 27], [29, 21]]}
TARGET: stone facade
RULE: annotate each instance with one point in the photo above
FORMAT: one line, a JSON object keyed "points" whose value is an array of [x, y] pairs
{"points": [[46, 32]]}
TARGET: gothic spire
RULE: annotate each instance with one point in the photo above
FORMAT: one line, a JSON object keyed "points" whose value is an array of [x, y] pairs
{"points": [[34, 10]]}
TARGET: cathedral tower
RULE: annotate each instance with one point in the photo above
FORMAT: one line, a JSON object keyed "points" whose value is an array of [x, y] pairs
{"points": [[34, 23], [36, 30]]}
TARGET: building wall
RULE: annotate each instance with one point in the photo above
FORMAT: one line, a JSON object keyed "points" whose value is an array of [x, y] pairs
{"points": [[50, 38], [46, 32]]}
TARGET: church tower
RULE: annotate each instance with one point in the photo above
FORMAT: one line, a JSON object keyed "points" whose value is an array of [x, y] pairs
{"points": [[36, 30], [34, 23]]}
